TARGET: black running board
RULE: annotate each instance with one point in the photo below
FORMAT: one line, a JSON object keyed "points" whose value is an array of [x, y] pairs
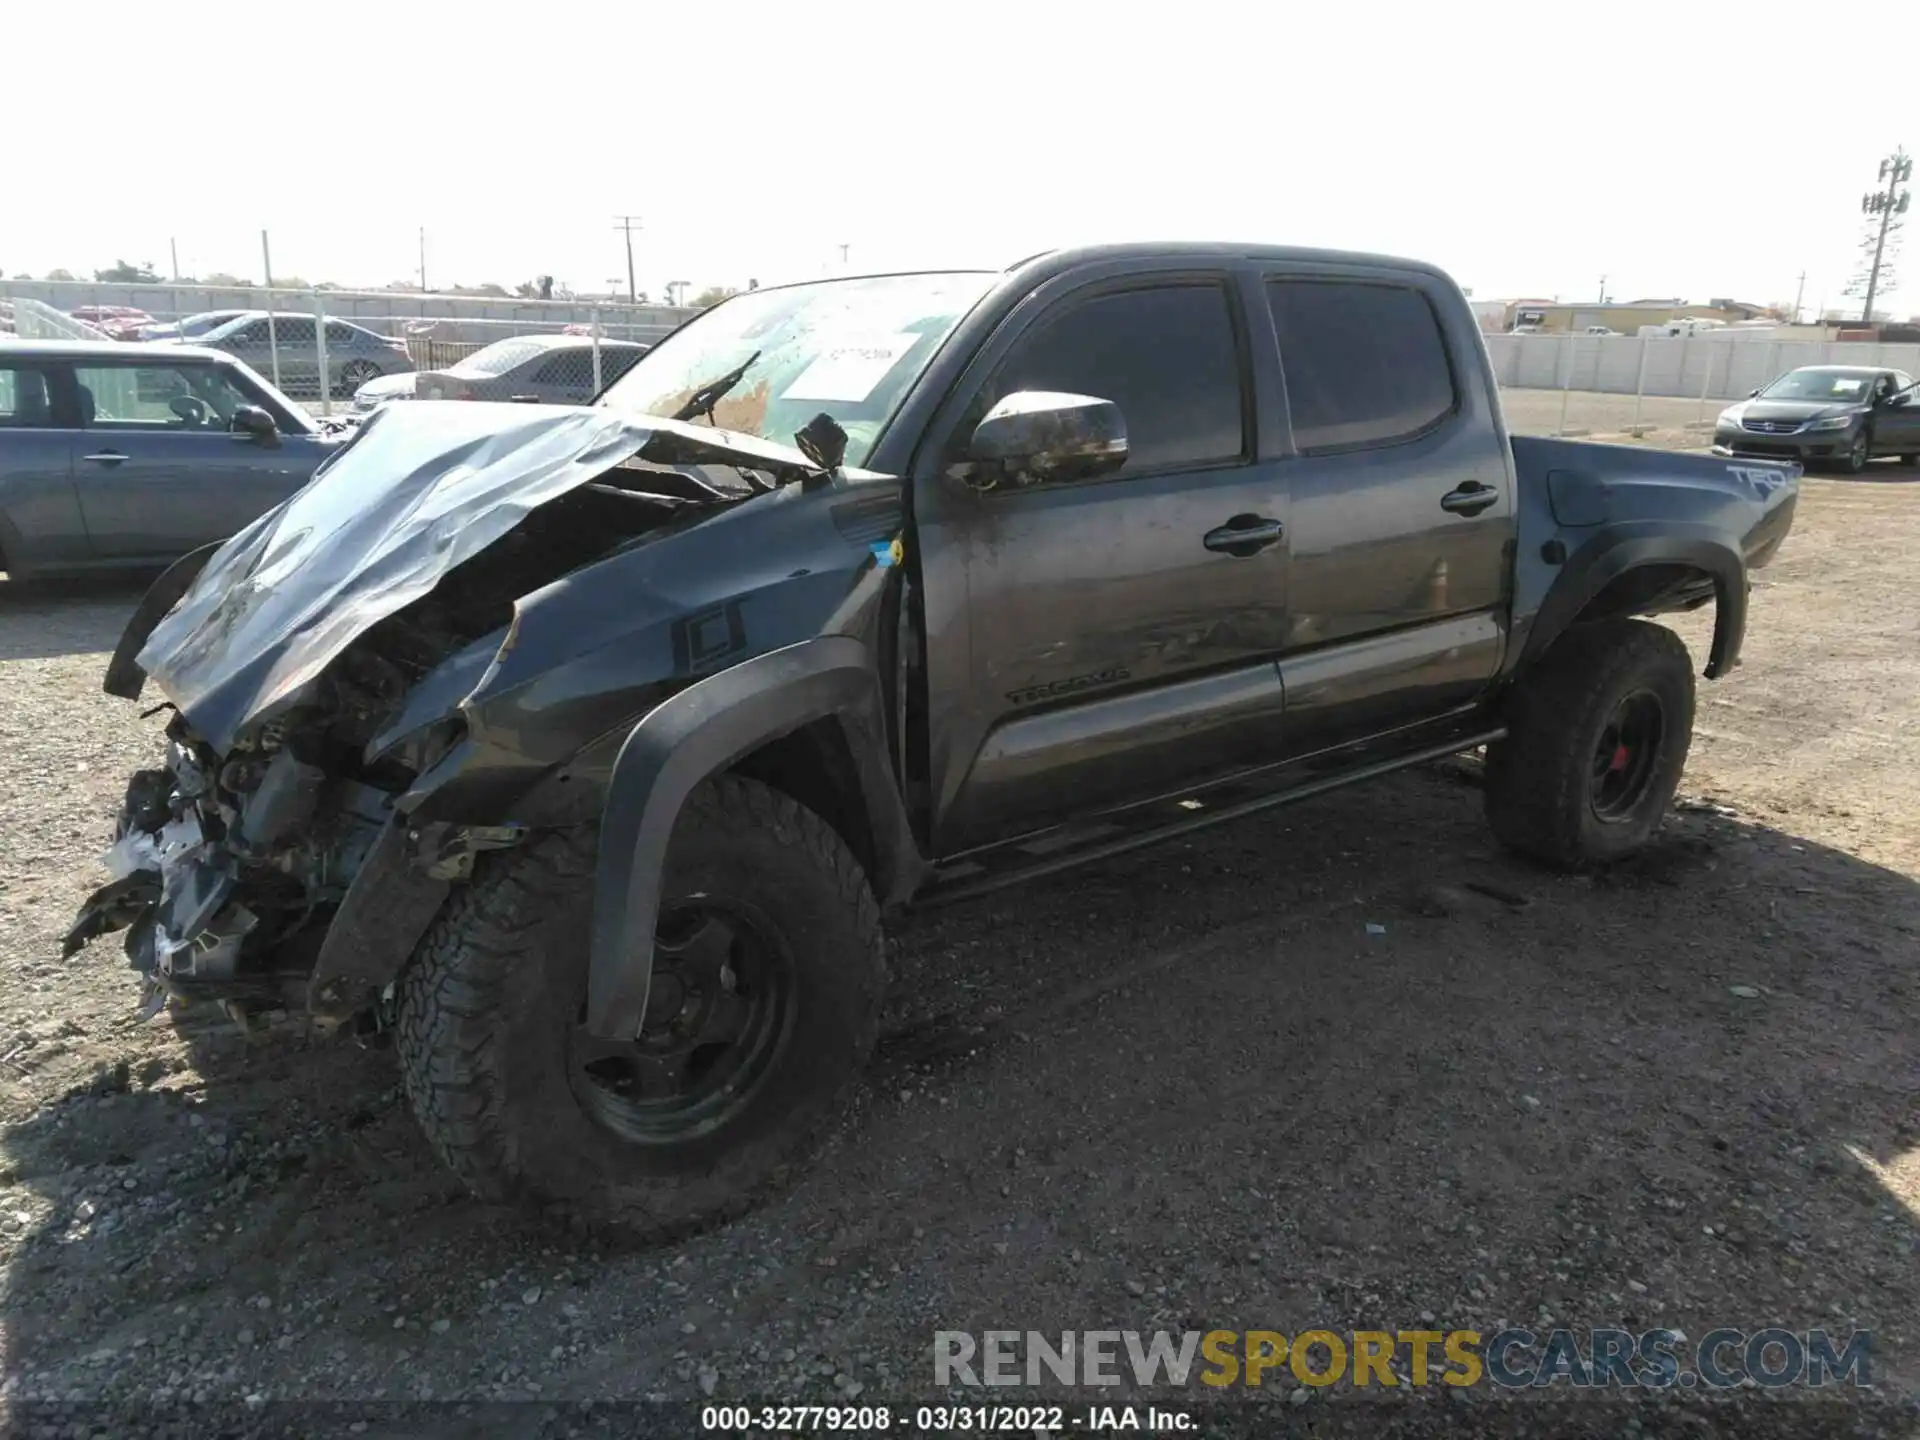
{"points": [[1115, 832]]}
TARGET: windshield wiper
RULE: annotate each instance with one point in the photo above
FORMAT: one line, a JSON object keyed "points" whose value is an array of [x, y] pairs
{"points": [[702, 401]]}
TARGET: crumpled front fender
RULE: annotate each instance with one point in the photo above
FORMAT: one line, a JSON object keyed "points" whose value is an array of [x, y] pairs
{"points": [[697, 732]]}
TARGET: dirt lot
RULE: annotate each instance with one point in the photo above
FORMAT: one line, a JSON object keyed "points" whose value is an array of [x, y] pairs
{"points": [[1186, 1089]]}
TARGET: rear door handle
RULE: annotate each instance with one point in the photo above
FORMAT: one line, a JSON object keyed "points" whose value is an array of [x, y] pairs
{"points": [[1244, 535], [105, 457], [1470, 498]]}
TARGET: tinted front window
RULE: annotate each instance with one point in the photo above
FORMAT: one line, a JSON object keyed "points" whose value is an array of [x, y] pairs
{"points": [[156, 397], [1366, 364], [1166, 356]]}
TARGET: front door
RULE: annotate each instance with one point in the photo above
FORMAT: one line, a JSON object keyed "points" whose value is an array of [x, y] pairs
{"points": [[1896, 424], [1401, 514], [1097, 641], [158, 469], [40, 524]]}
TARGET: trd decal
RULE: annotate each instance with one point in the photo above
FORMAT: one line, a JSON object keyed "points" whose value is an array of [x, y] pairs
{"points": [[1072, 684], [708, 638]]}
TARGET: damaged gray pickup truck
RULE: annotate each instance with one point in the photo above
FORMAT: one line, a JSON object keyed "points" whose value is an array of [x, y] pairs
{"points": [[584, 749]]}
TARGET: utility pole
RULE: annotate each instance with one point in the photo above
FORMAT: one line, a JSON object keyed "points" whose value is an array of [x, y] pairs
{"points": [[843, 255], [173, 247], [1799, 291], [1895, 171], [626, 224], [1603, 289], [423, 259]]}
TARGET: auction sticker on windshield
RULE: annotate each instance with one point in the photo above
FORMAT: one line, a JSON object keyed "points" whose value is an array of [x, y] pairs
{"points": [[850, 370]]}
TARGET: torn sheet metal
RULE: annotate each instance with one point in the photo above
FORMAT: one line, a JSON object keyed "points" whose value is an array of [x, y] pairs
{"points": [[419, 490]]}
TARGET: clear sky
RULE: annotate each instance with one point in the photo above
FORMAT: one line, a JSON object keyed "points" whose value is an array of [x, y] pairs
{"points": [[1689, 148]]}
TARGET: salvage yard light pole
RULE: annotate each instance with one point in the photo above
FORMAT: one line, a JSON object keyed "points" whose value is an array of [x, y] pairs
{"points": [[1895, 170]]}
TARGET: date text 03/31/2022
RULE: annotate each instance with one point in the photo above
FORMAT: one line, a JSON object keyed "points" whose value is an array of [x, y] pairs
{"points": [[944, 1419]]}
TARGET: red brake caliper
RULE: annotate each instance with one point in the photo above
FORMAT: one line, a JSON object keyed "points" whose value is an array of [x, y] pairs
{"points": [[1619, 760]]}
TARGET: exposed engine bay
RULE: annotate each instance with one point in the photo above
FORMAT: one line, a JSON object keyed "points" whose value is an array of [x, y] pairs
{"points": [[230, 861]]}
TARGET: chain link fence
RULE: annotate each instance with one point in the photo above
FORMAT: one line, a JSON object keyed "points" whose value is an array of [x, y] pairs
{"points": [[325, 347]]}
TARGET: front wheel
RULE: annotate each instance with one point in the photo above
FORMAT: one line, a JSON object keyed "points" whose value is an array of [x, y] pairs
{"points": [[1858, 454], [1597, 736], [768, 973]]}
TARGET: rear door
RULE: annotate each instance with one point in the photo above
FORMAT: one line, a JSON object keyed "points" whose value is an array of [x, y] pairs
{"points": [[298, 339], [1401, 515], [40, 522], [158, 469], [1088, 642]]}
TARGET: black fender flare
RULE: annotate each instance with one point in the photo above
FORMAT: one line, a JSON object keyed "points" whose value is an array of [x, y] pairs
{"points": [[124, 677], [694, 734], [1621, 548]]}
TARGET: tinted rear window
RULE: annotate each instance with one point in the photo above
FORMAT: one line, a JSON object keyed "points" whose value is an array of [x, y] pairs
{"points": [[498, 358], [1366, 365]]}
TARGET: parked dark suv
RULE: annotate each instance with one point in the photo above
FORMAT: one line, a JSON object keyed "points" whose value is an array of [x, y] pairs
{"points": [[586, 749], [1843, 415]]}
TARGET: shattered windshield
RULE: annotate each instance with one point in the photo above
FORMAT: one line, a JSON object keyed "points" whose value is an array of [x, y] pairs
{"points": [[848, 347]]}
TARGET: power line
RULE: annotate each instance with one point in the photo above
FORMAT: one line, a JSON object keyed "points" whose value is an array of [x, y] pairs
{"points": [[626, 225]]}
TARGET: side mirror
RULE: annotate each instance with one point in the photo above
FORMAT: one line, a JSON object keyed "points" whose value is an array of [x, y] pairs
{"points": [[1753, 394], [1034, 437], [253, 423]]}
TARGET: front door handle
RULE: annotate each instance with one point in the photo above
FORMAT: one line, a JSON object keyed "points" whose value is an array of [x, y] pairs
{"points": [[105, 457], [1470, 498], [1244, 535]]}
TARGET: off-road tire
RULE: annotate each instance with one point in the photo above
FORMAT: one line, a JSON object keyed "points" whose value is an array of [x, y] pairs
{"points": [[1539, 781], [489, 999]]}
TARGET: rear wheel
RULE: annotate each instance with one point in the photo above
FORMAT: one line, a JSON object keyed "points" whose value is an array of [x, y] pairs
{"points": [[1597, 737], [354, 374], [768, 972]]}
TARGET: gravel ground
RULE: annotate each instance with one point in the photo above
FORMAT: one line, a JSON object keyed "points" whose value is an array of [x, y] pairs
{"points": [[1190, 1088], [1664, 418]]}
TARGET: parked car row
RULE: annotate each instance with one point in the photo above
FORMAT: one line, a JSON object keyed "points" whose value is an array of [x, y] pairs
{"points": [[374, 369]]}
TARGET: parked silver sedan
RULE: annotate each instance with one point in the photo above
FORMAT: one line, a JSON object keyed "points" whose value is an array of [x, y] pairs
{"points": [[547, 369], [128, 455], [355, 355]]}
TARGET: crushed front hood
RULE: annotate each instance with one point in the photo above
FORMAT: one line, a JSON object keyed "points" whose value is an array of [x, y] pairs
{"points": [[419, 490]]}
